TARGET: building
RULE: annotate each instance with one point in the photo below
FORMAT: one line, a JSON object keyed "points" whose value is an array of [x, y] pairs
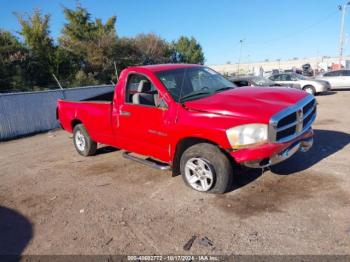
{"points": [[320, 63]]}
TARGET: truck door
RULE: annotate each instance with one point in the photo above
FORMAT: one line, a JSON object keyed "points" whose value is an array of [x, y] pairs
{"points": [[142, 119]]}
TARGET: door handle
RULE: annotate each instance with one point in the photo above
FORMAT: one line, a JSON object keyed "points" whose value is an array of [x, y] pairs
{"points": [[124, 113]]}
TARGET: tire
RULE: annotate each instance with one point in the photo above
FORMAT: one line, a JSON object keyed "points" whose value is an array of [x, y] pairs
{"points": [[83, 142], [214, 172], [309, 89]]}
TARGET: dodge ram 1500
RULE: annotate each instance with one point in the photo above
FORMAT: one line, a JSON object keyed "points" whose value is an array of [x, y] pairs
{"points": [[191, 119]]}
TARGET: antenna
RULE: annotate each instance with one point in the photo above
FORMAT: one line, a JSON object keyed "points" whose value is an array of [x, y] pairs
{"points": [[59, 84], [182, 83], [180, 96], [116, 70]]}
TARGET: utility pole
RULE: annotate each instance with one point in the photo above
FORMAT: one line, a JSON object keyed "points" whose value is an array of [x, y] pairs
{"points": [[342, 8], [240, 54], [279, 64]]}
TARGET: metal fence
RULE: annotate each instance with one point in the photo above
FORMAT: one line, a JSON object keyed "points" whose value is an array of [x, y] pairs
{"points": [[32, 112]]}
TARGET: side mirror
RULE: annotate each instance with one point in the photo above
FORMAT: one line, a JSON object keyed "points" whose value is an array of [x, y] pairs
{"points": [[162, 104]]}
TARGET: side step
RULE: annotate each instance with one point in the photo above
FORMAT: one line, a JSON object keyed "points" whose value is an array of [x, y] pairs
{"points": [[148, 161]]}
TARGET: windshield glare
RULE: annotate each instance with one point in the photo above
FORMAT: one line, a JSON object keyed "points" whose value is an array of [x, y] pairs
{"points": [[185, 82]]}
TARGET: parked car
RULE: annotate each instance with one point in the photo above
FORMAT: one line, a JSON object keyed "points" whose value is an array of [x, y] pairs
{"points": [[297, 81], [191, 119], [337, 79], [252, 81]]}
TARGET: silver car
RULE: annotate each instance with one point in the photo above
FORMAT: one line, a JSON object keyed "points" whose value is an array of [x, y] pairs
{"points": [[307, 84], [252, 81], [337, 79]]}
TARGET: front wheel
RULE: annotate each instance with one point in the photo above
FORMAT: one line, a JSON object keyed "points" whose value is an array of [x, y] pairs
{"points": [[83, 142], [205, 168]]}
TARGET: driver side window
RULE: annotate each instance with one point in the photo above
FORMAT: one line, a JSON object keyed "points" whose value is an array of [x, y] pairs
{"points": [[141, 91]]}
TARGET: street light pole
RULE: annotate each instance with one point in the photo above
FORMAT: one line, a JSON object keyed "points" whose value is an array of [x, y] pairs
{"points": [[279, 64], [240, 54], [342, 8]]}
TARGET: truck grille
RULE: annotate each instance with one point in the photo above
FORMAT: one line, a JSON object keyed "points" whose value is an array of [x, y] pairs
{"points": [[293, 121]]}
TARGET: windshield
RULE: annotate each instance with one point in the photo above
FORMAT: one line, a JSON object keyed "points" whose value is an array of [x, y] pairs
{"points": [[261, 81], [193, 82], [301, 77]]}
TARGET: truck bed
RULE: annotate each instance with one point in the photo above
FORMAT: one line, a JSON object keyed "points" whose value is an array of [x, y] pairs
{"points": [[94, 112], [105, 97]]}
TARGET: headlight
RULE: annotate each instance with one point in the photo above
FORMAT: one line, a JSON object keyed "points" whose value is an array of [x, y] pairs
{"points": [[247, 135]]}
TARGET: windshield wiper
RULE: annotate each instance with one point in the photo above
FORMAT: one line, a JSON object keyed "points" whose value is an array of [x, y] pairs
{"points": [[192, 95], [223, 89]]}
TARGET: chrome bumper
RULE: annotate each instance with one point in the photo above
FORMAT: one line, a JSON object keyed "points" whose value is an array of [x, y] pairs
{"points": [[303, 146]]}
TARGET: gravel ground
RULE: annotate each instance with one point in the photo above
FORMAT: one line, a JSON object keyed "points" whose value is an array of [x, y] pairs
{"points": [[53, 201]]}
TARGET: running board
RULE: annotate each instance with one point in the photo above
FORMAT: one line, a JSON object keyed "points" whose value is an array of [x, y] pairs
{"points": [[148, 162]]}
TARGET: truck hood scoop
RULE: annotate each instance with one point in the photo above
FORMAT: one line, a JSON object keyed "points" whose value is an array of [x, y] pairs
{"points": [[255, 103]]}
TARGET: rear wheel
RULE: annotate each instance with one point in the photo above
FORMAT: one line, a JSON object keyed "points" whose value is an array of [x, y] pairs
{"points": [[205, 168], [83, 142], [309, 89]]}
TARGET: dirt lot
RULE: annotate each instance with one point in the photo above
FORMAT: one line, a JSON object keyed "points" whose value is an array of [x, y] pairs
{"points": [[53, 201]]}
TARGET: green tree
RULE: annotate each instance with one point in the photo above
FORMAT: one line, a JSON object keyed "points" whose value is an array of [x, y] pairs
{"points": [[91, 41], [153, 48], [66, 66], [36, 34], [126, 53], [12, 59], [88, 51], [187, 50]]}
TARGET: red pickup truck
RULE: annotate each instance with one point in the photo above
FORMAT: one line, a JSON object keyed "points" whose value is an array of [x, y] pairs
{"points": [[191, 119]]}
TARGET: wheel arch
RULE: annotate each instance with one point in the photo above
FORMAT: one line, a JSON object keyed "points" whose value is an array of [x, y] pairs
{"points": [[75, 122], [184, 144]]}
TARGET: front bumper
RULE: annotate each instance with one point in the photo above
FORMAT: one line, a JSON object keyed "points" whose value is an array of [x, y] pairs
{"points": [[271, 154], [303, 146]]}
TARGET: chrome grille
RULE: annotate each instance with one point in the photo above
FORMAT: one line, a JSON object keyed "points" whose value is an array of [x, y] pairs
{"points": [[293, 121]]}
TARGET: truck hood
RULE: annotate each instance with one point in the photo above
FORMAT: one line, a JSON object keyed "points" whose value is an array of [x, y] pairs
{"points": [[256, 104]]}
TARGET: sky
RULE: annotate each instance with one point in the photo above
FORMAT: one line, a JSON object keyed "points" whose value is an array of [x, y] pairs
{"points": [[270, 29]]}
